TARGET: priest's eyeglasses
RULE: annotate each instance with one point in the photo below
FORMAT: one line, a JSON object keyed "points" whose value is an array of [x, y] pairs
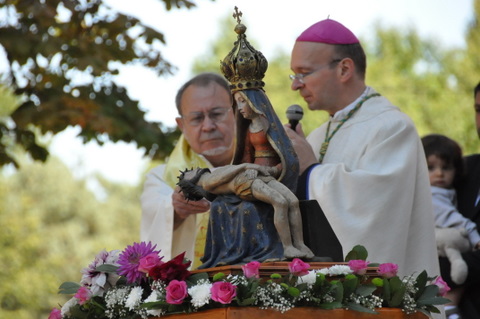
{"points": [[300, 76], [216, 115]]}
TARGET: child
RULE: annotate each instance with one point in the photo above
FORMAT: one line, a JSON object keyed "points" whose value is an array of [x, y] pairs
{"points": [[445, 169]]}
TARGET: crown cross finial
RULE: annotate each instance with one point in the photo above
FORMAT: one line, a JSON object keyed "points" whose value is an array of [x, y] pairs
{"points": [[244, 67], [237, 15]]}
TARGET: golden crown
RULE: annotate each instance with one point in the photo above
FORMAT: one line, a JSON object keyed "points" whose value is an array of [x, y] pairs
{"points": [[244, 67]]}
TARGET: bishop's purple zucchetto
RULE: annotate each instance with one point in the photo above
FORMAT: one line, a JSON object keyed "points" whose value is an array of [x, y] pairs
{"points": [[328, 31]]}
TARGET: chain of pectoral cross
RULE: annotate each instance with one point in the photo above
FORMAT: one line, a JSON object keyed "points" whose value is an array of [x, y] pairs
{"points": [[328, 136]]}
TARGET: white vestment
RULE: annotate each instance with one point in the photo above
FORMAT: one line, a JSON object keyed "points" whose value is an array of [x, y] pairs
{"points": [[374, 188], [157, 210]]}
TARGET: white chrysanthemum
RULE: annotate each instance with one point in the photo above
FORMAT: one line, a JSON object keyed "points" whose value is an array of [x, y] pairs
{"points": [[100, 281], [323, 271], [200, 294], [337, 270], [134, 298], [309, 278], [66, 307], [154, 296]]}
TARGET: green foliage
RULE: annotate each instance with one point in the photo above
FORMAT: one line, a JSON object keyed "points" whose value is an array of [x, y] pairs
{"points": [[357, 253], [52, 225], [60, 68]]}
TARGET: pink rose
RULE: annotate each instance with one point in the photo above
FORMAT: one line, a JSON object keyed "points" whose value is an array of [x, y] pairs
{"points": [[148, 262], [388, 270], [298, 268], [442, 285], [55, 314], [358, 266], [83, 295], [176, 292], [223, 292], [251, 269]]}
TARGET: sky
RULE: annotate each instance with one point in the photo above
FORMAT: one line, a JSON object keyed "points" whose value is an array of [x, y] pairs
{"points": [[273, 24]]}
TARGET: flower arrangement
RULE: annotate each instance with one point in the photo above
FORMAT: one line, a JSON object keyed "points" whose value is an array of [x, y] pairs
{"points": [[137, 283]]}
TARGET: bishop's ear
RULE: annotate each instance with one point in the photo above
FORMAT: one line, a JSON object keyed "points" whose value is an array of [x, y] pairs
{"points": [[346, 69]]}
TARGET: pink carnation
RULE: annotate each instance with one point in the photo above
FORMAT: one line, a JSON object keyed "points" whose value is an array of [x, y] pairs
{"points": [[83, 295], [358, 266], [55, 314], [223, 292], [251, 269], [176, 292], [388, 270], [298, 268], [442, 285], [148, 262]]}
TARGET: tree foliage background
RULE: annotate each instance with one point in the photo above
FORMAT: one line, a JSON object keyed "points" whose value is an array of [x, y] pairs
{"points": [[62, 55], [52, 224]]}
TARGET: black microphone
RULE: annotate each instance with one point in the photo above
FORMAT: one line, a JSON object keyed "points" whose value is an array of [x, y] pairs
{"points": [[294, 115]]}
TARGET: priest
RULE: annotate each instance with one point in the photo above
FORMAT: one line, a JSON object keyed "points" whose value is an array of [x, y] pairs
{"points": [[365, 166]]}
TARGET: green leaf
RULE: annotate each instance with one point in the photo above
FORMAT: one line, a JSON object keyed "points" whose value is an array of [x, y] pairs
{"points": [[193, 279], [357, 252], [433, 301], [331, 305], [386, 290], [107, 268], [395, 284], [357, 307], [429, 292], [68, 288], [397, 297], [246, 302], [338, 292], [365, 290], [420, 283], [349, 286]]}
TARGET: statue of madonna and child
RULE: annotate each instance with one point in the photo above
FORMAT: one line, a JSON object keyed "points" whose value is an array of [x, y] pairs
{"points": [[254, 213]]}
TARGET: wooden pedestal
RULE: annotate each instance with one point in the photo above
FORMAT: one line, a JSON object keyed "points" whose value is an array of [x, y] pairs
{"points": [[295, 313], [266, 269]]}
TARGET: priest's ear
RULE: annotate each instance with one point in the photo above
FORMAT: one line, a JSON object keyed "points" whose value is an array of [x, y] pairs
{"points": [[179, 121], [346, 69]]}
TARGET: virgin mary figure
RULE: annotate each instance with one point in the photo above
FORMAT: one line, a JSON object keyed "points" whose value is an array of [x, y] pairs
{"points": [[241, 231]]}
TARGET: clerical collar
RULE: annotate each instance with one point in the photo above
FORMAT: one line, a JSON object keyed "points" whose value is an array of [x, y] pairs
{"points": [[339, 115]]}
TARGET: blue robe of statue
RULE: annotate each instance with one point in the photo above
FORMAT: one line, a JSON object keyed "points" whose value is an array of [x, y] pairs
{"points": [[243, 231]]}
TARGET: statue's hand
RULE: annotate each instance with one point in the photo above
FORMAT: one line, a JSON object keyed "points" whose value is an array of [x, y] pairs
{"points": [[251, 173]]}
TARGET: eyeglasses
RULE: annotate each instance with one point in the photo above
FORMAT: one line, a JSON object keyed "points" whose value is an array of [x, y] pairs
{"points": [[216, 115], [301, 76]]}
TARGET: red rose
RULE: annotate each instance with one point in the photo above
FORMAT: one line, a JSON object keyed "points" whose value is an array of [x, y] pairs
{"points": [[388, 270], [298, 268], [251, 269], [358, 266], [148, 262], [223, 292], [176, 292]]}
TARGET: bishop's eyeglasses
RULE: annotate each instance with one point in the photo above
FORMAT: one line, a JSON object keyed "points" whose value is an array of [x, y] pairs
{"points": [[300, 76], [216, 115]]}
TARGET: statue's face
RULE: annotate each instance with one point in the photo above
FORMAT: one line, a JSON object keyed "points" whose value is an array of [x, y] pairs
{"points": [[243, 106]]}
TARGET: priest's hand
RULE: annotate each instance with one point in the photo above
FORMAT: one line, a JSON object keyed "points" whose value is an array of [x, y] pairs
{"points": [[184, 208], [306, 156]]}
